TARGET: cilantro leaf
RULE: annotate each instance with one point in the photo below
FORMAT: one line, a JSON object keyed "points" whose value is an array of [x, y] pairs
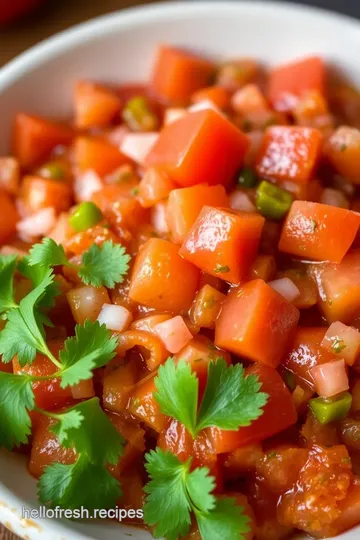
{"points": [[95, 436], [88, 430], [104, 265], [177, 392], [48, 253], [37, 273], [24, 333], [174, 492], [225, 522], [16, 399], [78, 485], [7, 269], [91, 347], [167, 505], [231, 400]]}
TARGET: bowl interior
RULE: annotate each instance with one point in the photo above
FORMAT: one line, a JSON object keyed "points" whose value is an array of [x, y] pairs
{"points": [[119, 48]]}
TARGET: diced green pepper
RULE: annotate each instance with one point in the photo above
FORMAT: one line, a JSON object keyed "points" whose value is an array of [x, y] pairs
{"points": [[138, 115], [329, 410], [53, 171], [85, 215], [247, 178], [272, 201]]}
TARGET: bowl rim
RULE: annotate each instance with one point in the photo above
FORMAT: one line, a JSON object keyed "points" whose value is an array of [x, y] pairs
{"points": [[76, 35]]}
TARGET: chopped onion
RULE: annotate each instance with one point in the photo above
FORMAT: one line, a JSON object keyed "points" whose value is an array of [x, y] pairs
{"points": [[38, 224], [334, 197], [343, 341], [11, 250], [86, 302], [241, 201], [86, 185], [286, 288], [147, 324], [172, 114], [116, 318], [117, 135], [9, 174], [60, 231], [83, 389], [137, 145], [331, 378], [173, 333], [204, 105], [158, 218]]}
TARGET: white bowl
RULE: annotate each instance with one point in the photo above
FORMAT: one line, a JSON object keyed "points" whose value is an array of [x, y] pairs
{"points": [[119, 47]]}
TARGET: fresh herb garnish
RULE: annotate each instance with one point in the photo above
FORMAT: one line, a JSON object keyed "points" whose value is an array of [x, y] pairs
{"points": [[338, 345], [219, 269]]}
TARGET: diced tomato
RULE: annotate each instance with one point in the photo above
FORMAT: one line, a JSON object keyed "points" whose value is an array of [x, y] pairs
{"points": [[161, 279], [237, 73], [155, 186], [242, 461], [280, 467], [177, 74], [151, 344], [207, 306], [279, 414], [330, 379], [97, 154], [134, 447], [118, 384], [290, 82], [34, 138], [173, 333], [180, 149], [342, 340], [48, 394], [289, 153], [8, 217], [94, 105], [198, 353], [223, 243], [218, 95], [142, 404], [326, 477], [256, 323], [80, 242], [306, 352], [177, 440], [343, 151], [9, 174], [184, 205], [318, 231], [349, 513], [148, 323], [313, 432], [264, 267], [7, 368], [339, 287], [249, 99], [38, 193]]}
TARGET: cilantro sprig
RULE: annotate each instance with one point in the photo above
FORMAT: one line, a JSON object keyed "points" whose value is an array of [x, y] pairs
{"points": [[175, 492], [100, 265], [231, 399]]}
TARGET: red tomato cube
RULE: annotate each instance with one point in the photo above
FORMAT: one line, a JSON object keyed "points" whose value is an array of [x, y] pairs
{"points": [[318, 231], [256, 323], [223, 243], [289, 153], [202, 146]]}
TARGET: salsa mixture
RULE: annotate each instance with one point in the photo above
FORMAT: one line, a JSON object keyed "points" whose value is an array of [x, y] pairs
{"points": [[180, 299]]}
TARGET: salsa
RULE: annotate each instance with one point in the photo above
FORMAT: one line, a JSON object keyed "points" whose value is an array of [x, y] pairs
{"points": [[180, 299]]}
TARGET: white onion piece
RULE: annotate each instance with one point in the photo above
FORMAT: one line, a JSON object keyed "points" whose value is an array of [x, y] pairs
{"points": [[117, 135], [137, 145], [203, 106], [11, 250], [172, 114], [38, 224], [86, 185], [158, 218], [331, 378], [286, 288], [334, 197], [116, 318], [241, 201]]}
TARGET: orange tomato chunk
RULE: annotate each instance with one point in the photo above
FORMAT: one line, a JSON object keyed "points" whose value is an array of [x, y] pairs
{"points": [[177, 74], [343, 151], [184, 205], [289, 153], [318, 231], [143, 405], [97, 154], [223, 243], [279, 414], [161, 279], [290, 82], [8, 217], [94, 105], [180, 149], [38, 193], [257, 323]]}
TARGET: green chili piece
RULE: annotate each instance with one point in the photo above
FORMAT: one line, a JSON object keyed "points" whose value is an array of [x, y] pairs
{"points": [[85, 215], [247, 178], [272, 201], [138, 115], [329, 410]]}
